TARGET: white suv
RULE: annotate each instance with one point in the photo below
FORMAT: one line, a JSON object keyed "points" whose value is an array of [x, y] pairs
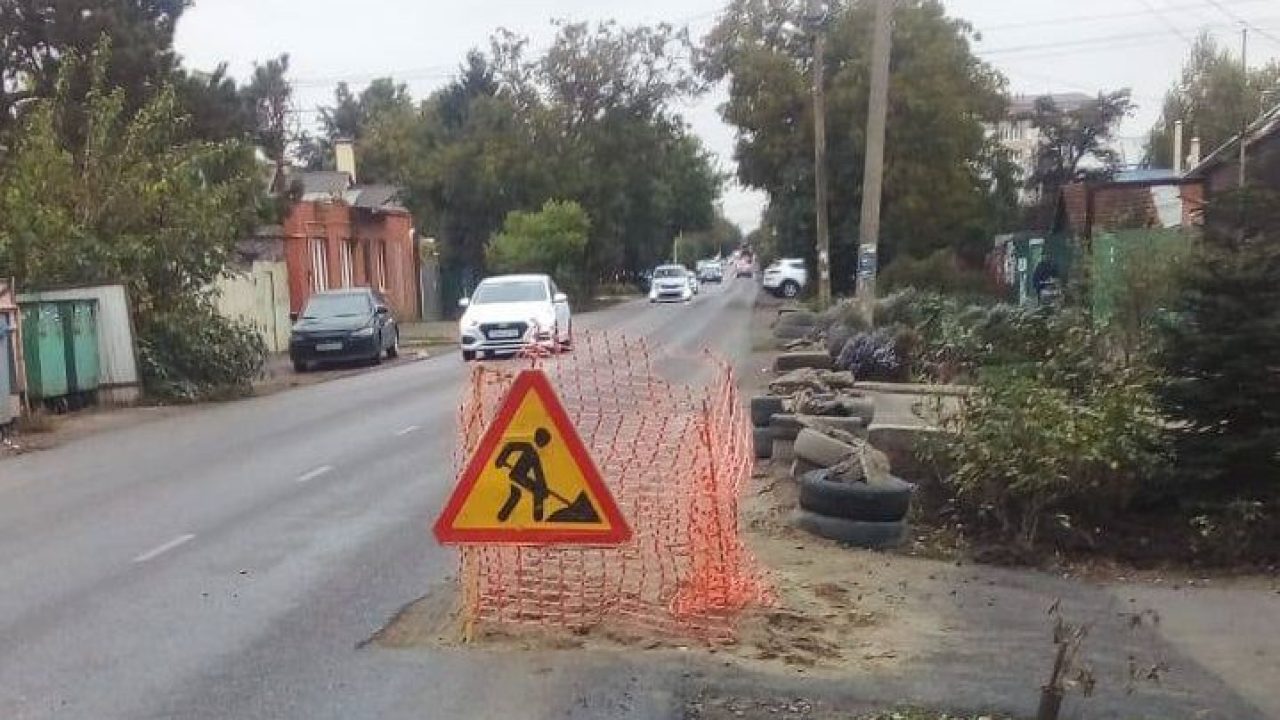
{"points": [[508, 312], [786, 277]]}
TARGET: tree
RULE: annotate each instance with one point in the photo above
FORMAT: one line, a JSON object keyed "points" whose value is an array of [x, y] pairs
{"points": [[1221, 349], [214, 105], [269, 98], [351, 117], [1072, 142], [37, 35], [552, 241], [1214, 99], [128, 198], [944, 178], [722, 238]]}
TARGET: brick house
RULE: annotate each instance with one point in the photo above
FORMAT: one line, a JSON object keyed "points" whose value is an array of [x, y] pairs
{"points": [[339, 234], [1220, 169]]}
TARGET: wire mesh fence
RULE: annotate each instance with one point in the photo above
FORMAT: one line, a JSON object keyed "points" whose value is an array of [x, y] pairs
{"points": [[676, 459]]}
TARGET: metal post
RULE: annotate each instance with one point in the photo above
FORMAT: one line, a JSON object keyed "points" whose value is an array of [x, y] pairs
{"points": [[816, 18], [873, 170]]}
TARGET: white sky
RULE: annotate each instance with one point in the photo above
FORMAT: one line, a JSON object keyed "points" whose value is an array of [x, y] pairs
{"points": [[1040, 45]]}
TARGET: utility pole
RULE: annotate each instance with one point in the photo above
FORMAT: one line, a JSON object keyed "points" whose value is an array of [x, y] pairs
{"points": [[873, 170], [1244, 78], [817, 19]]}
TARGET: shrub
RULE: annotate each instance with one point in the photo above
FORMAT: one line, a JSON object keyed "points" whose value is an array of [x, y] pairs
{"points": [[552, 241], [189, 352], [940, 272], [1025, 448], [873, 356]]}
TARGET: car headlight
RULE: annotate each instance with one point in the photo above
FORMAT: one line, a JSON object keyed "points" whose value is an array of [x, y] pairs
{"points": [[363, 332]]}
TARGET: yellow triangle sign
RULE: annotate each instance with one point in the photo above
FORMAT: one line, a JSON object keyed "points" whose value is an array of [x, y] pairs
{"points": [[531, 480]]}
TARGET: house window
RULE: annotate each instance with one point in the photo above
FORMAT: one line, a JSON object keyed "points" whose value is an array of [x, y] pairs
{"points": [[348, 263], [319, 265], [380, 266]]}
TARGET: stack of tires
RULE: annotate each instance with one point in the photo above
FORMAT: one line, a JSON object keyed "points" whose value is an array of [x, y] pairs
{"points": [[847, 493], [763, 408]]}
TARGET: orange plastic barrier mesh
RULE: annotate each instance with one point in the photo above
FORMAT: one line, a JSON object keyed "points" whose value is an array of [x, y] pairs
{"points": [[676, 459]]}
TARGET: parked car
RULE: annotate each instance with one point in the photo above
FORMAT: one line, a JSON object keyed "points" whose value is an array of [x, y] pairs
{"points": [[670, 284], [508, 312], [786, 277], [710, 271], [343, 325], [746, 266]]}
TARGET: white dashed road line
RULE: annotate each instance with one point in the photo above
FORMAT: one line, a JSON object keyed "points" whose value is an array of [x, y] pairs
{"points": [[313, 474], [159, 550], [406, 431]]}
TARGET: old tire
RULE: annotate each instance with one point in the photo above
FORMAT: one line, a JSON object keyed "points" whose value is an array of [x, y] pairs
{"points": [[854, 501], [762, 439], [763, 408], [394, 350], [869, 535], [785, 426], [803, 359], [822, 450]]}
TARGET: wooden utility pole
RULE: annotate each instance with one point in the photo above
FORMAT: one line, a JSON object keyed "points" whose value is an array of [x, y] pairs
{"points": [[817, 19], [873, 170]]}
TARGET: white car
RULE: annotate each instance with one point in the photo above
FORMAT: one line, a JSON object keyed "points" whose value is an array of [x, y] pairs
{"points": [[670, 283], [786, 277], [508, 312]]}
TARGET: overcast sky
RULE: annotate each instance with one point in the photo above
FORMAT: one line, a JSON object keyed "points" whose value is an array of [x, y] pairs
{"points": [[1040, 45]]}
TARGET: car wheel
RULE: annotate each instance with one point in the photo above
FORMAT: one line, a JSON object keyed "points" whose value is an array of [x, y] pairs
{"points": [[377, 352], [468, 355], [568, 338], [790, 289], [300, 366], [394, 350]]}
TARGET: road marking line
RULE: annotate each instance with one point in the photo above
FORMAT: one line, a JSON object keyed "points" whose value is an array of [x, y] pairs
{"points": [[313, 474], [406, 431], [156, 552]]}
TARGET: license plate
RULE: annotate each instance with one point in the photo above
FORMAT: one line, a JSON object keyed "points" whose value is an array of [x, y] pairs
{"points": [[503, 333], [328, 347]]}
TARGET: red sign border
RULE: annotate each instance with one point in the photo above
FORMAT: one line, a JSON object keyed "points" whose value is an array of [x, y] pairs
{"points": [[531, 380]]}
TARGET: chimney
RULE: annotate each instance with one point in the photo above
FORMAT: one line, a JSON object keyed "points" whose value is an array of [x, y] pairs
{"points": [[344, 156], [1177, 147], [1193, 157]]}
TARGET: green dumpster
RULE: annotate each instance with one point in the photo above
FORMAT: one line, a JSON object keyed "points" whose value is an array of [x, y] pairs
{"points": [[80, 322], [44, 350]]}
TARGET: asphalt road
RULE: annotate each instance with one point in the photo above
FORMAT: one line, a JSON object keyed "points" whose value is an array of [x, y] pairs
{"points": [[230, 562]]}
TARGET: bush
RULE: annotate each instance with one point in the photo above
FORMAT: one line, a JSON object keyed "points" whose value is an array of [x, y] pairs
{"points": [[189, 352], [873, 356], [552, 241], [940, 272], [1025, 449]]}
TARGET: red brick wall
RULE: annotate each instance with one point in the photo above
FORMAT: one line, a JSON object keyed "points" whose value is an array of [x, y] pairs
{"points": [[336, 223]]}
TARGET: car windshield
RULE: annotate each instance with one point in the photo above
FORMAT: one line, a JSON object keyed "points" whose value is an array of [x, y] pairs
{"points": [[340, 305], [507, 292], [670, 272]]}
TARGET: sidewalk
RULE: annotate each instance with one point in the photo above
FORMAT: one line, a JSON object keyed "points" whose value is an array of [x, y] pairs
{"points": [[429, 332]]}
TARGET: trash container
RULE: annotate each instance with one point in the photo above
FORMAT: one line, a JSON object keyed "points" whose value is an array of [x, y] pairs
{"points": [[6, 371], [80, 323], [44, 349]]}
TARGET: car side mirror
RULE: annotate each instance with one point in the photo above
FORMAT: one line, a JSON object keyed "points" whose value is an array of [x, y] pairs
{"points": [[561, 298], [382, 310], [293, 317], [464, 302]]}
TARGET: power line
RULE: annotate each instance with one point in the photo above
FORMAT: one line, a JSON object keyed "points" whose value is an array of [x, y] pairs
{"points": [[1218, 4], [1072, 19], [1165, 21]]}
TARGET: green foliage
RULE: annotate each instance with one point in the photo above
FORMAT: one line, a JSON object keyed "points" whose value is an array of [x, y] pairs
{"points": [[1027, 448], [187, 351], [269, 100], [125, 198], [552, 241], [1143, 281], [1213, 98], [942, 272], [722, 238], [1221, 350], [946, 184]]}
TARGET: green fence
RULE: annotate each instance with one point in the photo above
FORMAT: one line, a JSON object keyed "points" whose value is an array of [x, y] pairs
{"points": [[1126, 258]]}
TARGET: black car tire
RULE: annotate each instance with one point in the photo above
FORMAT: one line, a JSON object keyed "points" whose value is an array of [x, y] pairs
{"points": [[468, 355], [377, 352], [762, 440], [394, 350], [789, 289], [869, 535], [763, 408], [300, 366], [855, 500]]}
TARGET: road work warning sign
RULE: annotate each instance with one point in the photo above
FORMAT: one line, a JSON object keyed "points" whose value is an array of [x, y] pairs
{"points": [[530, 480]]}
